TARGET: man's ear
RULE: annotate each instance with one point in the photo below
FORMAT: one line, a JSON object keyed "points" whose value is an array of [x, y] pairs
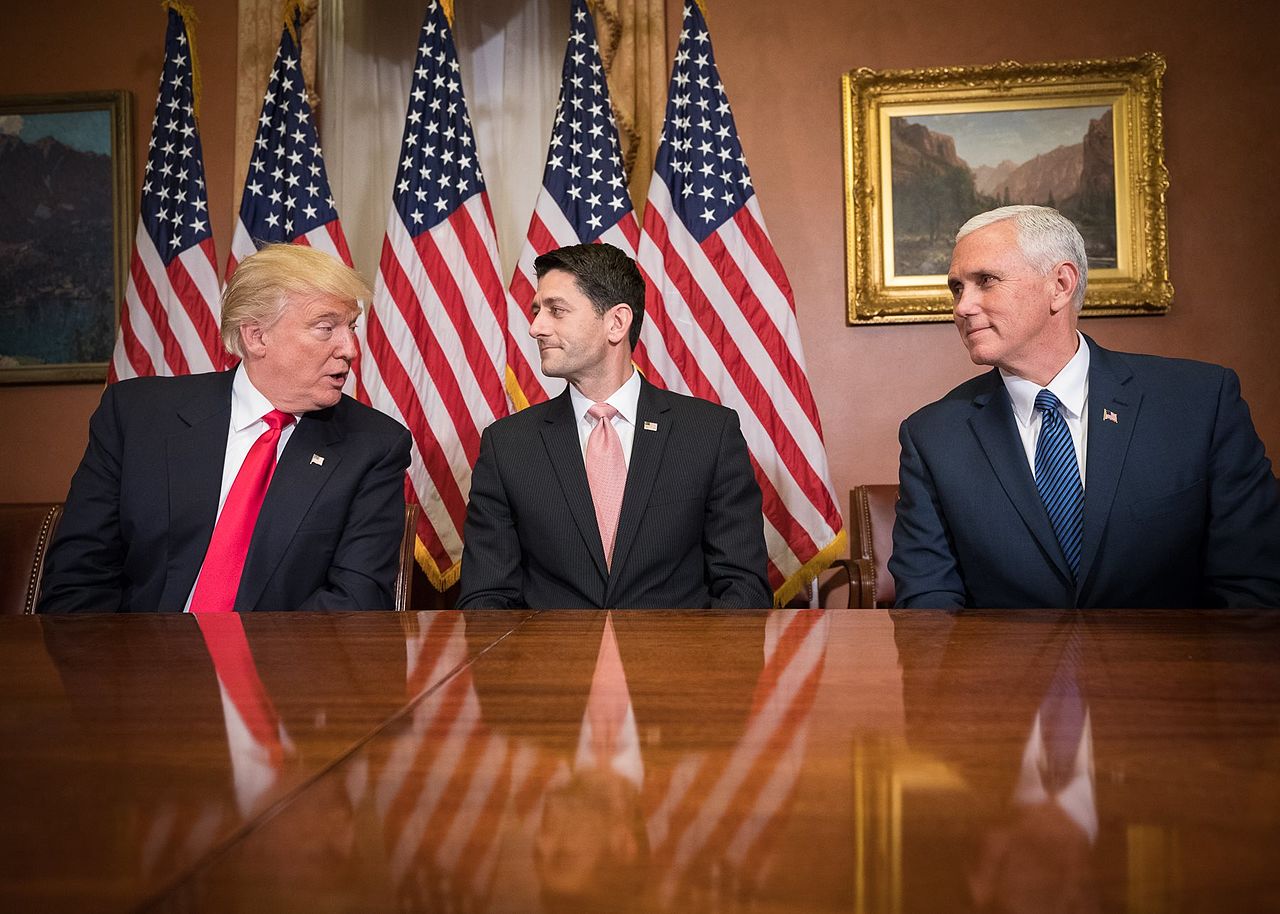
{"points": [[251, 339], [1066, 279], [618, 322]]}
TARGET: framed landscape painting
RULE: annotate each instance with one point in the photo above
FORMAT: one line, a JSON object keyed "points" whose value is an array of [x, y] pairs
{"points": [[927, 149], [65, 174]]}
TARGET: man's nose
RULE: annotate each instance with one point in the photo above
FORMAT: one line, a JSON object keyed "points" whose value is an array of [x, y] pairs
{"points": [[537, 326], [347, 345]]}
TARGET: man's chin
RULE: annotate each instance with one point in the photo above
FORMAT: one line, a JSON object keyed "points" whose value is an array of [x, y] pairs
{"points": [[980, 355]]}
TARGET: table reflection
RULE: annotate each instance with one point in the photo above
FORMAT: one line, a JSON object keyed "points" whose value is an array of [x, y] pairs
{"points": [[1076, 762], [168, 734], [877, 761]]}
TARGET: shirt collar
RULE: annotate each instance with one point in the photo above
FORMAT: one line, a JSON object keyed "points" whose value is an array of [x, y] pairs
{"points": [[248, 405], [626, 400], [1070, 386]]}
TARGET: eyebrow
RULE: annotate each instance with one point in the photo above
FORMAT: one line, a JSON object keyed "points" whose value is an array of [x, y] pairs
{"points": [[335, 316]]}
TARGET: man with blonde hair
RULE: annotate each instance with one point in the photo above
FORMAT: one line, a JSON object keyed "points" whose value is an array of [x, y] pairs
{"points": [[258, 488], [1070, 475]]}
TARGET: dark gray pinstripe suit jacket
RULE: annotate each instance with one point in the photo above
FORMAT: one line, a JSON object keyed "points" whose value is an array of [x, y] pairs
{"points": [[691, 533]]}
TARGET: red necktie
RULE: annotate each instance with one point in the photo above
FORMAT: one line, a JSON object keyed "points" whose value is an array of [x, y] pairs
{"points": [[233, 662], [224, 562], [606, 474]]}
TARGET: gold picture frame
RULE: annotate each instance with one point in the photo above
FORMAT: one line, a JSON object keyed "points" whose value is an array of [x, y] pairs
{"points": [[65, 235], [910, 140]]}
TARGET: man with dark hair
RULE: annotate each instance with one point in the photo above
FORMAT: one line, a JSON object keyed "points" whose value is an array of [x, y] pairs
{"points": [[606, 277], [615, 493]]}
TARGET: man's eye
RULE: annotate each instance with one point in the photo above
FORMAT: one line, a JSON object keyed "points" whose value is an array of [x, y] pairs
{"points": [[986, 279]]}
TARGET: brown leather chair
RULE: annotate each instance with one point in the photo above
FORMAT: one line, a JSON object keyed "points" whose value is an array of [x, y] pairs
{"points": [[871, 513], [404, 573], [25, 533]]}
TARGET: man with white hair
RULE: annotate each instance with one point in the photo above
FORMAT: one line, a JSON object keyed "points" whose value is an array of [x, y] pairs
{"points": [[1070, 475], [259, 488]]}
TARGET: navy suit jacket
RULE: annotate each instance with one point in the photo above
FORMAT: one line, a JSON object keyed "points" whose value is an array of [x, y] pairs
{"points": [[143, 503], [1181, 508], [691, 533]]}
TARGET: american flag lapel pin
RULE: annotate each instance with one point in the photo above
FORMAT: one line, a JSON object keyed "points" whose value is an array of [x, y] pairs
{"points": [[651, 426], [317, 460], [1109, 416]]}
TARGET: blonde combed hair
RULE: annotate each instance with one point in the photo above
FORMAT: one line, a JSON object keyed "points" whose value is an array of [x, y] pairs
{"points": [[264, 282]]}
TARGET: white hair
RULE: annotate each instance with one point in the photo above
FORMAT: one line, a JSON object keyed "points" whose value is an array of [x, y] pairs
{"points": [[1045, 237]]}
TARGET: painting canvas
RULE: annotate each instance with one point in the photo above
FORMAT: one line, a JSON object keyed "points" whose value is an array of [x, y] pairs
{"points": [[949, 167], [63, 177], [925, 150]]}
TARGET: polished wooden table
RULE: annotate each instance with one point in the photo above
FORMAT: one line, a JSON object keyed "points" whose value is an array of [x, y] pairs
{"points": [[852, 761]]}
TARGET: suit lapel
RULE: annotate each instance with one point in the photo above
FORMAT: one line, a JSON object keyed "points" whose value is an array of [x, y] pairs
{"points": [[564, 449], [194, 460], [295, 484], [1114, 399], [646, 457], [997, 434]]}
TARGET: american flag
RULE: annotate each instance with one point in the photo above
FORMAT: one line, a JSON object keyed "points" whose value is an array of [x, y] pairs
{"points": [[286, 197], [436, 334], [720, 315], [583, 197], [169, 318]]}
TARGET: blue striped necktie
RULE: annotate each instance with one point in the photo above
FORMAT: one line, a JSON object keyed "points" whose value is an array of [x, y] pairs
{"points": [[1058, 478]]}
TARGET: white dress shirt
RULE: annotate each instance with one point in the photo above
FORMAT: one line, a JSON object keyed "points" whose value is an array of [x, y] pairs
{"points": [[1077, 798], [248, 406], [626, 400], [1071, 387]]}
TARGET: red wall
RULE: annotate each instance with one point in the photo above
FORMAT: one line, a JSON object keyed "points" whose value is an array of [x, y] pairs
{"points": [[781, 64]]}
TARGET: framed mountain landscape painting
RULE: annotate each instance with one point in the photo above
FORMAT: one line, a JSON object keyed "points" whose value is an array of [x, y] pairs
{"points": [[65, 173], [927, 149]]}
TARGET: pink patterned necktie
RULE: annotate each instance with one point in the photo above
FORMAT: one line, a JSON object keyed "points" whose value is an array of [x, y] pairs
{"points": [[606, 474], [609, 699], [224, 561]]}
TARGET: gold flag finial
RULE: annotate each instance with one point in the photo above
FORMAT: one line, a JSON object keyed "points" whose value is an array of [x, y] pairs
{"points": [[189, 23], [293, 10]]}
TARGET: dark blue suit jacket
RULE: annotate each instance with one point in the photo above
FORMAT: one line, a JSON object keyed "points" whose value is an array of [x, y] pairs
{"points": [[691, 533], [144, 500], [1181, 508]]}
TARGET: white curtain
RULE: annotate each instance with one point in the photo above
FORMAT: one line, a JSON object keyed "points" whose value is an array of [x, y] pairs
{"points": [[510, 52]]}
